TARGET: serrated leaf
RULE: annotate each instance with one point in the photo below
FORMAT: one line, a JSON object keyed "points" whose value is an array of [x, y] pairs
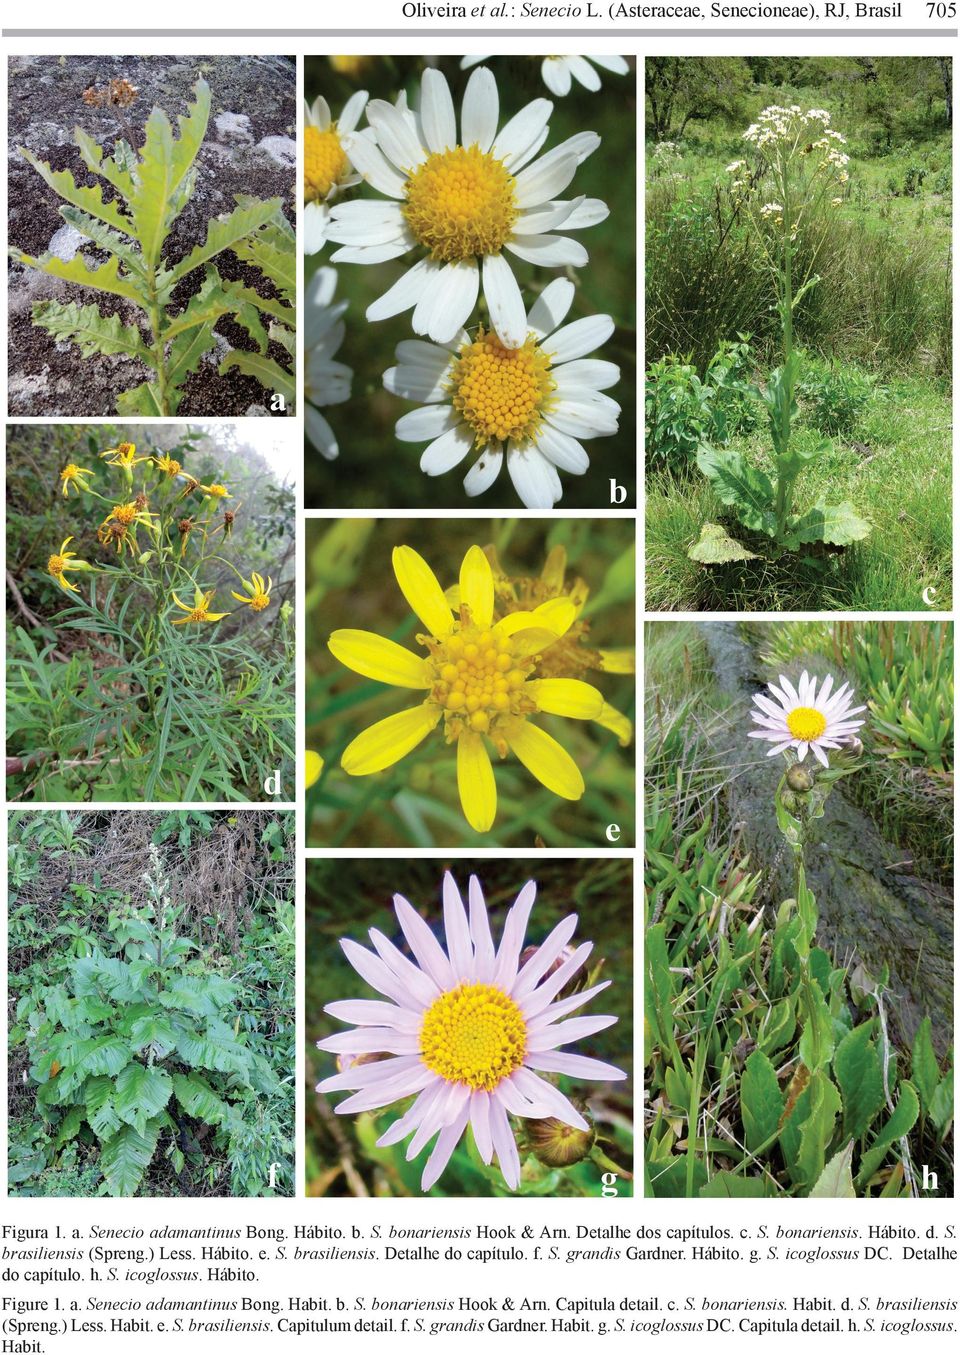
{"points": [[206, 307], [89, 330], [924, 1068], [203, 997], [856, 1066], [106, 238], [152, 1029], [836, 524], [265, 370], [223, 233], [105, 278], [900, 1123], [198, 1098], [89, 200], [126, 1156], [816, 1039], [57, 1004], [107, 1056], [141, 1093], [761, 1100], [103, 1118], [216, 1050], [93, 157], [715, 547], [145, 399], [836, 1180], [268, 305], [817, 1129], [69, 1126], [742, 487], [165, 162]]}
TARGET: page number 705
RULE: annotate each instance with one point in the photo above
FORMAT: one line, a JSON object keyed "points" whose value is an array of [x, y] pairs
{"points": [[937, 10]]}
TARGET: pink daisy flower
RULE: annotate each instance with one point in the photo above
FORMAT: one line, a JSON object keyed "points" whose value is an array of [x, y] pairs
{"points": [[804, 719], [468, 1030]]}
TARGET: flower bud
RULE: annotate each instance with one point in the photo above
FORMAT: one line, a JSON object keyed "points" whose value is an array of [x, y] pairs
{"points": [[853, 746], [799, 779], [556, 1144]]}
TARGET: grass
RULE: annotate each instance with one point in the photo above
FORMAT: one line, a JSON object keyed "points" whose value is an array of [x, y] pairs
{"points": [[902, 484]]}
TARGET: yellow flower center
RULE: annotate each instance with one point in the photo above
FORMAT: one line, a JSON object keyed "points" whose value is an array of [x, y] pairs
{"points": [[474, 1034], [324, 162], [217, 491], [70, 472], [125, 513], [501, 392], [461, 203], [478, 678], [351, 66], [197, 614], [806, 724], [258, 603], [56, 565]]}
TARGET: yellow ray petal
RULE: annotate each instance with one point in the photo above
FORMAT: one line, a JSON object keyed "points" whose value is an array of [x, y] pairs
{"points": [[389, 740], [312, 767], [374, 656], [566, 696], [618, 660], [617, 724], [478, 789], [545, 759], [476, 586], [419, 586], [558, 614], [532, 640]]}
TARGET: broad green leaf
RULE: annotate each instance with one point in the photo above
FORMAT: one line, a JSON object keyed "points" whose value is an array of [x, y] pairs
{"points": [[126, 1156], [165, 163], [817, 1130], [89, 200], [761, 1100], [104, 1120], [144, 399], [743, 487], [900, 1123], [217, 1050], [715, 547], [140, 1094], [223, 233], [941, 1104], [728, 1186], [836, 524], [198, 1098], [107, 1056], [89, 330], [69, 1126], [105, 278], [57, 1004], [836, 1181], [924, 1068], [202, 996], [856, 1066], [779, 1027], [265, 370], [152, 1029], [816, 1037]]}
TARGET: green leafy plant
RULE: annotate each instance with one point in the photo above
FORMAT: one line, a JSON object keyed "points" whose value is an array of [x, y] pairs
{"points": [[136, 1047], [683, 411], [833, 395], [800, 168], [149, 188]]}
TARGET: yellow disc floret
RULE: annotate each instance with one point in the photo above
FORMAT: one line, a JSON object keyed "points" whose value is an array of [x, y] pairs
{"points": [[501, 393], [806, 724], [478, 679], [474, 1034], [461, 203], [324, 163]]}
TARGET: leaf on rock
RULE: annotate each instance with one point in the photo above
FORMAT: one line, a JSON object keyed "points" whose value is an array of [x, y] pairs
{"points": [[715, 547]]}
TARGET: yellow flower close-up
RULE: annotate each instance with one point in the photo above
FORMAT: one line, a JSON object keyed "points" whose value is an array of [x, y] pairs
{"points": [[200, 611], [123, 455], [257, 596], [64, 560], [480, 680], [75, 476]]}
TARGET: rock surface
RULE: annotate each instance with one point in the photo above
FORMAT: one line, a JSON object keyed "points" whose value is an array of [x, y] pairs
{"points": [[253, 101]]}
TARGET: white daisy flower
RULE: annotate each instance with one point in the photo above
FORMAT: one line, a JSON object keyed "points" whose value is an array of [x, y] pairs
{"points": [[465, 203], [530, 404], [326, 168], [325, 382], [802, 718], [468, 1029], [559, 71]]}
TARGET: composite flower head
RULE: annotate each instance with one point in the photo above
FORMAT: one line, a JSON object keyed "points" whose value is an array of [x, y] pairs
{"points": [[559, 72], [480, 680], [200, 611], [169, 465], [804, 719], [214, 491], [257, 595], [529, 405], [463, 204], [123, 455], [75, 476], [62, 562], [326, 170], [467, 1030], [326, 382], [119, 527]]}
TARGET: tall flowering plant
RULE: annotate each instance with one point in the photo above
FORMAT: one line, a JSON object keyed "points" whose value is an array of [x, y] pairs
{"points": [[793, 175]]}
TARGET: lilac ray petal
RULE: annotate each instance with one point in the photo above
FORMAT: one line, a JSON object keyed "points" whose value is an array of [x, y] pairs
{"points": [[379, 975], [538, 964], [445, 1110], [505, 1145], [457, 932], [369, 1074], [385, 1095], [557, 1105], [438, 1159], [363, 1012], [480, 1123], [558, 1009], [511, 942], [414, 979], [370, 1040], [413, 1117], [820, 755], [510, 1096], [568, 1031], [548, 990], [575, 1065], [431, 956], [802, 749], [484, 954]]}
